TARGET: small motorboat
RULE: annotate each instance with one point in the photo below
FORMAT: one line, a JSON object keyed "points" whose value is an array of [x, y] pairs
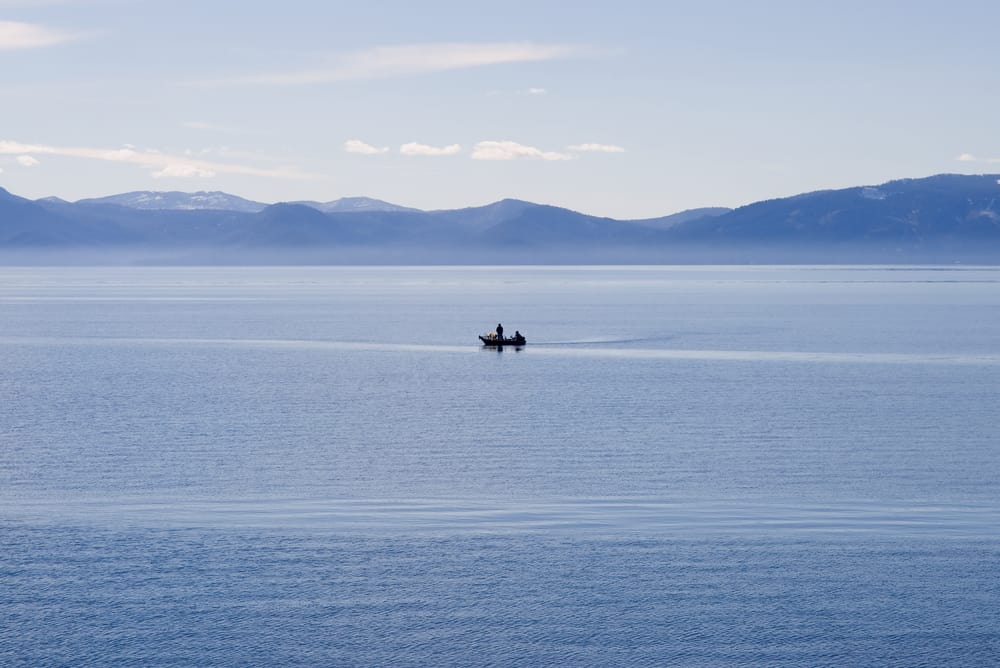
{"points": [[494, 341]]}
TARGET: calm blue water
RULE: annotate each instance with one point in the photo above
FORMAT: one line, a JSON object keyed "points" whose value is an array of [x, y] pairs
{"points": [[320, 466]]}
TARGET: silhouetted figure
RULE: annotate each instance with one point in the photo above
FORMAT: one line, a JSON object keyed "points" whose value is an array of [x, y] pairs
{"points": [[500, 331], [517, 335]]}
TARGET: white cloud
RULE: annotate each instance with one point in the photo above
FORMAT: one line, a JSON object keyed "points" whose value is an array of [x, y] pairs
{"points": [[167, 165], [596, 148], [509, 150], [358, 146], [27, 161], [15, 35], [393, 61], [413, 148], [537, 91], [183, 171], [968, 157]]}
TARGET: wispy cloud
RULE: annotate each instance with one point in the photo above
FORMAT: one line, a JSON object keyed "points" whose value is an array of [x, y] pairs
{"points": [[358, 146], [166, 165], [4, 4], [524, 91], [968, 157], [15, 35], [596, 148], [394, 61], [27, 161], [413, 148], [509, 150]]}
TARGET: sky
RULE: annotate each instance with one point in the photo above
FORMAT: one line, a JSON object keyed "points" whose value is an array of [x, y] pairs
{"points": [[629, 109]]}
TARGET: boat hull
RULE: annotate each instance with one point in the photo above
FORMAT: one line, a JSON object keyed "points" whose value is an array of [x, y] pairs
{"points": [[499, 343]]}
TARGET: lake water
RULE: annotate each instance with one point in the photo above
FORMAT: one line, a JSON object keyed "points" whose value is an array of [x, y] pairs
{"points": [[702, 466]]}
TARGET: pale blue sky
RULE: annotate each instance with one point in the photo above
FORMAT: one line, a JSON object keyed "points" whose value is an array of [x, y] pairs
{"points": [[627, 109]]}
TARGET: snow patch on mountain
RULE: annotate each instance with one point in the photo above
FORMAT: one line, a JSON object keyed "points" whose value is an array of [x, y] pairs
{"points": [[179, 201]]}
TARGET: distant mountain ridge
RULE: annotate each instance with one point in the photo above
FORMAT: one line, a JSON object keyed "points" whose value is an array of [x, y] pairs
{"points": [[943, 218], [355, 204], [149, 200], [903, 212], [674, 219]]}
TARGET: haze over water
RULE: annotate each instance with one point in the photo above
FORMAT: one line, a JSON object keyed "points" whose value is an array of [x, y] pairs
{"points": [[322, 466]]}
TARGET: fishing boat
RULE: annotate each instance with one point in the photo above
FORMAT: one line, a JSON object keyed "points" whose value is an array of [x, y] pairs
{"points": [[493, 341]]}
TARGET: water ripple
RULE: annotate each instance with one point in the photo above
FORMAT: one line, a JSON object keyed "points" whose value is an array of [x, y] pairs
{"points": [[647, 516]]}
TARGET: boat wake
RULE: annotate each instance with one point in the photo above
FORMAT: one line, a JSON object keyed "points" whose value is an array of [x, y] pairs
{"points": [[598, 341], [582, 349]]}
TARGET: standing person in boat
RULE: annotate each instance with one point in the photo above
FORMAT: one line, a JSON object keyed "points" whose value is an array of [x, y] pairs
{"points": [[499, 331]]}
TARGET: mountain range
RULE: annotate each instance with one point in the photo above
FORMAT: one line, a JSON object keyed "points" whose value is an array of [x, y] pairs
{"points": [[945, 218]]}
